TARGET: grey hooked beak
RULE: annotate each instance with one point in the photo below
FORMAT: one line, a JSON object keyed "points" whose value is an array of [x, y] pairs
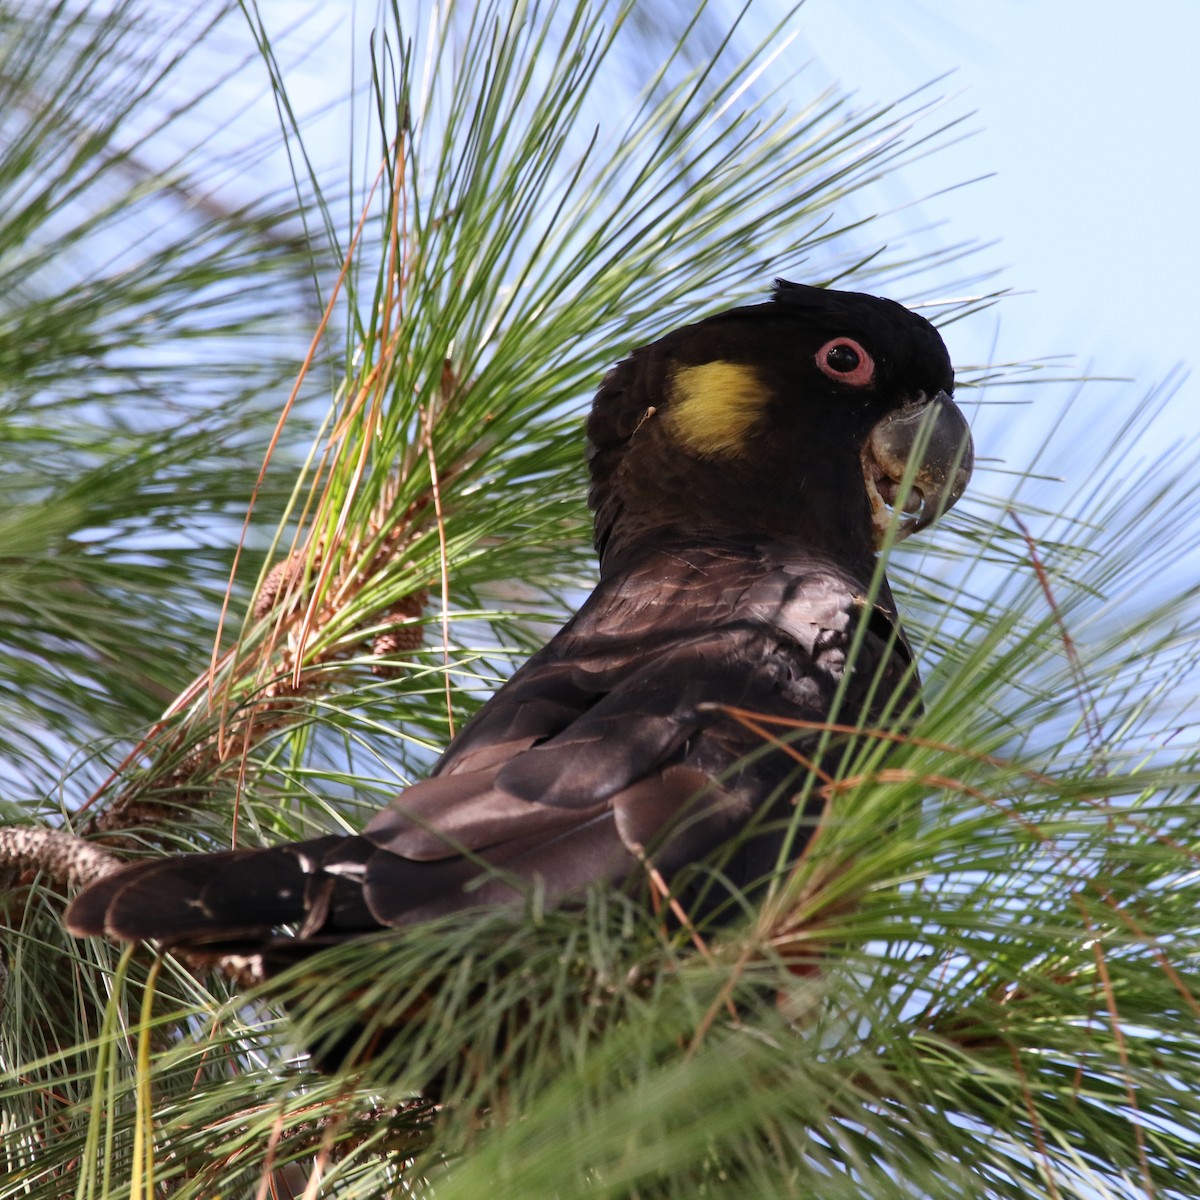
{"points": [[936, 434]]}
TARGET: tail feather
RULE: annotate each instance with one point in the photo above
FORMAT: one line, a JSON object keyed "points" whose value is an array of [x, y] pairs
{"points": [[202, 898]]}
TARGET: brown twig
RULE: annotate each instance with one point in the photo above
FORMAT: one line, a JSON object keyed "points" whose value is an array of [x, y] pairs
{"points": [[1118, 1033], [69, 860], [1034, 1124], [1086, 704]]}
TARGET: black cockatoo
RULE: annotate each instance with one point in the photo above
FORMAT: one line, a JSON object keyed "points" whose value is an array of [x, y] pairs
{"points": [[744, 470]]}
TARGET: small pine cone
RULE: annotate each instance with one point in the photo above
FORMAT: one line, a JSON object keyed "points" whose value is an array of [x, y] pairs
{"points": [[185, 771], [126, 815], [405, 636], [412, 605], [402, 640], [278, 577]]}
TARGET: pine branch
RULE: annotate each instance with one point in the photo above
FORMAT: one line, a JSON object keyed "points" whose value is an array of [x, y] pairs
{"points": [[68, 861]]}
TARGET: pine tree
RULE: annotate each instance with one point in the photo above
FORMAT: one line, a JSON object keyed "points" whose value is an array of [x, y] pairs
{"points": [[980, 979]]}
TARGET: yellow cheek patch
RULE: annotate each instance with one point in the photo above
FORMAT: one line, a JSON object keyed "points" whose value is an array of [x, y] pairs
{"points": [[714, 406]]}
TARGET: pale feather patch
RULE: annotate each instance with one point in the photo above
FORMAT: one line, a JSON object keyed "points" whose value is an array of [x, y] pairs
{"points": [[715, 405]]}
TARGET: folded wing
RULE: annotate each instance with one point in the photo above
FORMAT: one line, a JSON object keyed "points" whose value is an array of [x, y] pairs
{"points": [[607, 752]]}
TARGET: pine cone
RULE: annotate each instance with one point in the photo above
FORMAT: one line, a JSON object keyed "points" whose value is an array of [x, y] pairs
{"points": [[405, 636]]}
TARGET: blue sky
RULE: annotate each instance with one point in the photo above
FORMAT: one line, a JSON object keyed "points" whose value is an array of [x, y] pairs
{"points": [[1086, 112], [1084, 155]]}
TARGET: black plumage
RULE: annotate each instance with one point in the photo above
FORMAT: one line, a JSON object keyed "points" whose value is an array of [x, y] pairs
{"points": [[742, 472]]}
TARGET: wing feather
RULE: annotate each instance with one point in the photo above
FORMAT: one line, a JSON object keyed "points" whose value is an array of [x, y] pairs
{"points": [[607, 751]]}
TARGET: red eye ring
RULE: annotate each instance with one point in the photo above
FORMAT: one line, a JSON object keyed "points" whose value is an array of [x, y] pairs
{"points": [[845, 361]]}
